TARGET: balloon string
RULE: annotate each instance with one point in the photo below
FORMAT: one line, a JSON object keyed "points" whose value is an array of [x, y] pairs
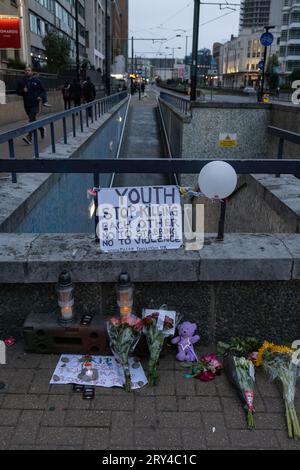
{"points": [[189, 193]]}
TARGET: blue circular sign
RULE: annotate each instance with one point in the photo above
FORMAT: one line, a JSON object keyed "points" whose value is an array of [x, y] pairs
{"points": [[267, 39], [261, 65]]}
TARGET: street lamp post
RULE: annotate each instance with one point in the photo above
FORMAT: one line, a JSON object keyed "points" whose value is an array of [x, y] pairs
{"points": [[23, 16], [194, 67], [107, 48], [77, 40]]}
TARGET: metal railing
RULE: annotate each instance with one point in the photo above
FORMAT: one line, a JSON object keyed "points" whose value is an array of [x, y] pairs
{"points": [[182, 104], [283, 136], [93, 111], [166, 138], [146, 166]]}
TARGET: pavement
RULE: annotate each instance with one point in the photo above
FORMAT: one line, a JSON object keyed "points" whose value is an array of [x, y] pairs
{"points": [[142, 140], [178, 414]]}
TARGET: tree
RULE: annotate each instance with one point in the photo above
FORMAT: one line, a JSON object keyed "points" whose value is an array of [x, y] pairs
{"points": [[295, 75], [57, 49], [272, 72]]}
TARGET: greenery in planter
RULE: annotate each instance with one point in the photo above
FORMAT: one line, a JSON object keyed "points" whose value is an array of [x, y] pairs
{"points": [[16, 64]]}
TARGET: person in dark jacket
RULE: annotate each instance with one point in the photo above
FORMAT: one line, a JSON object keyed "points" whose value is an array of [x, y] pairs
{"points": [[33, 93], [66, 92], [89, 93], [76, 92]]}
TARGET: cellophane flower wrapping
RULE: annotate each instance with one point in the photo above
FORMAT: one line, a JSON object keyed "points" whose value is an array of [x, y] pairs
{"points": [[124, 334], [281, 367], [155, 341], [241, 373]]}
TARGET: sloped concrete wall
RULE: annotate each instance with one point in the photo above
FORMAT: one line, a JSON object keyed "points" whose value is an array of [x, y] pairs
{"points": [[263, 204]]}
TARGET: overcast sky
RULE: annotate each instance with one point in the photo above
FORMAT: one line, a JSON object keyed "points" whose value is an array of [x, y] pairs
{"points": [[160, 19]]}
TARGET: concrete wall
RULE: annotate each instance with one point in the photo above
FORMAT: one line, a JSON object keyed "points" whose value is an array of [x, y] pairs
{"points": [[197, 136], [247, 285], [209, 120], [263, 204]]}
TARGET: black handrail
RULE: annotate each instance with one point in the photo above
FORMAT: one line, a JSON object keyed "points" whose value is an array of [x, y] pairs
{"points": [[283, 136], [140, 166]]}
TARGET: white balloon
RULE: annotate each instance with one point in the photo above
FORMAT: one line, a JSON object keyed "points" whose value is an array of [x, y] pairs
{"points": [[218, 180]]}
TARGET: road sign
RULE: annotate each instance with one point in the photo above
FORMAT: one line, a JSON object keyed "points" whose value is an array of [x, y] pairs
{"points": [[261, 65], [228, 140], [267, 39]]}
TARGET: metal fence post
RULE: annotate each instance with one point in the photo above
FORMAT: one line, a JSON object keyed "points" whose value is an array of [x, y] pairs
{"points": [[97, 186], [221, 230], [65, 130], [12, 156], [81, 120], [36, 144], [74, 124], [280, 152], [52, 130]]}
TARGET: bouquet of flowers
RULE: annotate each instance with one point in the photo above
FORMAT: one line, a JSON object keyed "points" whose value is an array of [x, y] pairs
{"points": [[206, 369], [240, 371], [155, 336], [124, 334], [277, 362]]}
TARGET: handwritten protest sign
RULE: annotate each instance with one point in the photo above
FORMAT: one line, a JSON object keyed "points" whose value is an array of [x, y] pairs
{"points": [[140, 219]]}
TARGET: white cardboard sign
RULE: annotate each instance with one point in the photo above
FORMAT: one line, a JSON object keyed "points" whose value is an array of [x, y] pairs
{"points": [[140, 219]]}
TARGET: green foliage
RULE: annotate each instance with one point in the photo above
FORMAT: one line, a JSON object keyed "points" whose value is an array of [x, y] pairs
{"points": [[16, 64], [272, 72], [294, 76], [57, 50], [239, 347]]}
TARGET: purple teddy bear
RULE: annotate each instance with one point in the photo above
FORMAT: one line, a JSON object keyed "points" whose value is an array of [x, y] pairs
{"points": [[185, 342]]}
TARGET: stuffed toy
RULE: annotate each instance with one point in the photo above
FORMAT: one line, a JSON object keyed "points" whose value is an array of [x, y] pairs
{"points": [[185, 342]]}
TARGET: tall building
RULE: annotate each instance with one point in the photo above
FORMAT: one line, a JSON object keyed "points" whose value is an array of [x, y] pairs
{"points": [[59, 15], [241, 55], [260, 13], [290, 37], [95, 25], [120, 30]]}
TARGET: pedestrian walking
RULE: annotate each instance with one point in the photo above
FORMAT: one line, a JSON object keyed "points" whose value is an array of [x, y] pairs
{"points": [[33, 93], [89, 92], [66, 92], [76, 92], [143, 86]]}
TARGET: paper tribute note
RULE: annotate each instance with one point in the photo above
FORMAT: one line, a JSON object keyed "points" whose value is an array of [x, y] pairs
{"points": [[96, 371]]}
